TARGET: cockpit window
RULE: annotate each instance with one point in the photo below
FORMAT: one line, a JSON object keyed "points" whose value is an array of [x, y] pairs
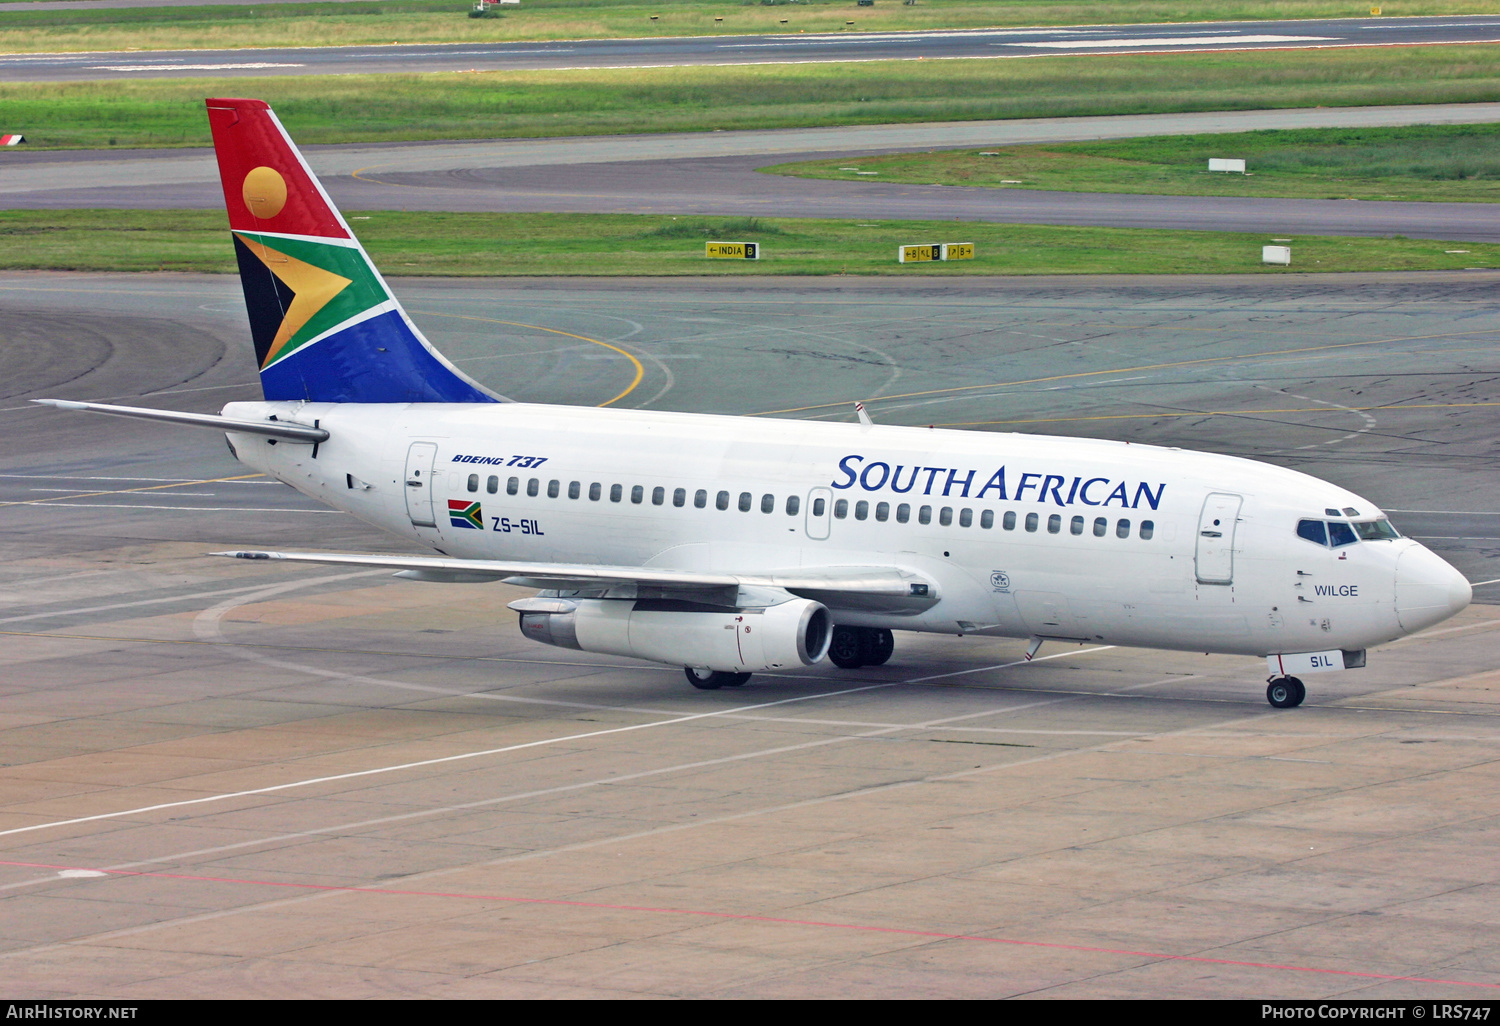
{"points": [[1313, 531], [1340, 533], [1376, 530], [1337, 532]]}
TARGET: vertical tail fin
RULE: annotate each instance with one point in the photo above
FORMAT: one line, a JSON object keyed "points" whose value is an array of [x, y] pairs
{"points": [[325, 324]]}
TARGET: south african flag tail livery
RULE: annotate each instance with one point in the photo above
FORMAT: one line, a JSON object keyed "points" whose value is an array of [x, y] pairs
{"points": [[325, 325]]}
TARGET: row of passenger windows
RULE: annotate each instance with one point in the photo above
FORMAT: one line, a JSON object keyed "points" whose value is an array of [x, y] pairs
{"points": [[862, 509]]}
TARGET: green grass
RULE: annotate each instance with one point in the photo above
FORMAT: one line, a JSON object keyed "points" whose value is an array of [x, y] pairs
{"points": [[417, 21], [1447, 163], [492, 245], [364, 108]]}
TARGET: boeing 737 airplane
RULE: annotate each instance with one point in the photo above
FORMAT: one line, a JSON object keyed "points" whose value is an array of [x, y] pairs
{"points": [[694, 541]]}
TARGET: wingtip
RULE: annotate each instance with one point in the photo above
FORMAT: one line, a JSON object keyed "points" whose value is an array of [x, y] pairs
{"points": [[245, 554], [61, 404]]}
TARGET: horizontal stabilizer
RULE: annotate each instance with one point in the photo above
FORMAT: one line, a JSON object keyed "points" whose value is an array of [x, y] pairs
{"points": [[891, 588], [270, 428]]}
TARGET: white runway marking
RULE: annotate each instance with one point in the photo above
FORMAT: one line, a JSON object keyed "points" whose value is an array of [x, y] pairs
{"points": [[1079, 44]]}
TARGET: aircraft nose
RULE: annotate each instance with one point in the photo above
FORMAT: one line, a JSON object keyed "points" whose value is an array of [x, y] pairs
{"points": [[1428, 590]]}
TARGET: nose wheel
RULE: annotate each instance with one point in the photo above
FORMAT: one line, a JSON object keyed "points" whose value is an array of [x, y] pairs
{"points": [[1285, 692]]}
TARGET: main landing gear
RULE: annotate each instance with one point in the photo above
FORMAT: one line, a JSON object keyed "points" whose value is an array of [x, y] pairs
{"points": [[1285, 692], [713, 680], [853, 647]]}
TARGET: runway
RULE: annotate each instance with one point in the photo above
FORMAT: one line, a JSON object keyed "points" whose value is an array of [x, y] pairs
{"points": [[225, 779], [716, 174], [764, 49]]}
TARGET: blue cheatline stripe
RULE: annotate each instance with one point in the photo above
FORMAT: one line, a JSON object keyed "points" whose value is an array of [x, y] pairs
{"points": [[379, 360]]}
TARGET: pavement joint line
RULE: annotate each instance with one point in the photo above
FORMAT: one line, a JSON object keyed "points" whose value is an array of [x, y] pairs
{"points": [[124, 491], [158, 601], [224, 607], [1233, 358], [583, 845], [926, 935]]}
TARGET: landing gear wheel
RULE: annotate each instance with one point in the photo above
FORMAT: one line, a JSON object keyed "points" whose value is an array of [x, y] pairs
{"points": [[879, 644], [713, 680], [1285, 692], [847, 648]]}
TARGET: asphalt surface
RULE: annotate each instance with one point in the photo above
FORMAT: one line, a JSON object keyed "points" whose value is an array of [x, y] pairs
{"points": [[716, 173], [722, 50], [221, 779]]}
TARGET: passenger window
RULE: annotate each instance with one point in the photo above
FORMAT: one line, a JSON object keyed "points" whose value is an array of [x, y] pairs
{"points": [[595, 490], [818, 507], [768, 503], [473, 482], [840, 508], [945, 516], [987, 519], [965, 517], [492, 485], [553, 487], [1313, 531], [616, 492], [679, 497], [1054, 524], [532, 487], [1122, 529], [924, 515], [637, 494], [793, 505], [721, 501], [1101, 525], [700, 498], [745, 501], [574, 489], [513, 486], [1076, 526], [1340, 533], [903, 513], [861, 510], [658, 495], [1148, 529], [1031, 522], [1009, 520], [882, 511]]}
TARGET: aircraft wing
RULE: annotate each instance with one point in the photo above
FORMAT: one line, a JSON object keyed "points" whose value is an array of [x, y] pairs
{"points": [[873, 588]]}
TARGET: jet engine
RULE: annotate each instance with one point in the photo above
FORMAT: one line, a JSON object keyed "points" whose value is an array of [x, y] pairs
{"points": [[791, 633]]}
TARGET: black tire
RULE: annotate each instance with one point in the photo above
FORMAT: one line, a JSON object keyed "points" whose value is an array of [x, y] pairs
{"points": [[705, 680], [847, 648], [1285, 692], [879, 644], [737, 680]]}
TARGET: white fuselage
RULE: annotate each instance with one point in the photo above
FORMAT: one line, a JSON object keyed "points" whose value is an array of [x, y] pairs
{"points": [[1027, 535]]}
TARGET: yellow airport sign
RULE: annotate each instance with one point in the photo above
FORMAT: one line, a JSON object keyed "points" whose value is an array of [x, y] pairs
{"points": [[733, 250], [935, 251]]}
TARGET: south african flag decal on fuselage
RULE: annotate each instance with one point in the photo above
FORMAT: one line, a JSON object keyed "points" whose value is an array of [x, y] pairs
{"points": [[463, 513]]}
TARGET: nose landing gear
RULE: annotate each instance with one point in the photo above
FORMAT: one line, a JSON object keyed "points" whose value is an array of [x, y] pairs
{"points": [[1285, 692]]}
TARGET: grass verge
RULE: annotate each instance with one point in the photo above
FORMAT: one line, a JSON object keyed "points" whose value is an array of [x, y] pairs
{"points": [[497, 245], [1438, 163], [367, 108], [444, 21]]}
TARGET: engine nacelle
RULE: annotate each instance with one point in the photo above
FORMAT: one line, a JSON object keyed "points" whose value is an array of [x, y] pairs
{"points": [[792, 633]]}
